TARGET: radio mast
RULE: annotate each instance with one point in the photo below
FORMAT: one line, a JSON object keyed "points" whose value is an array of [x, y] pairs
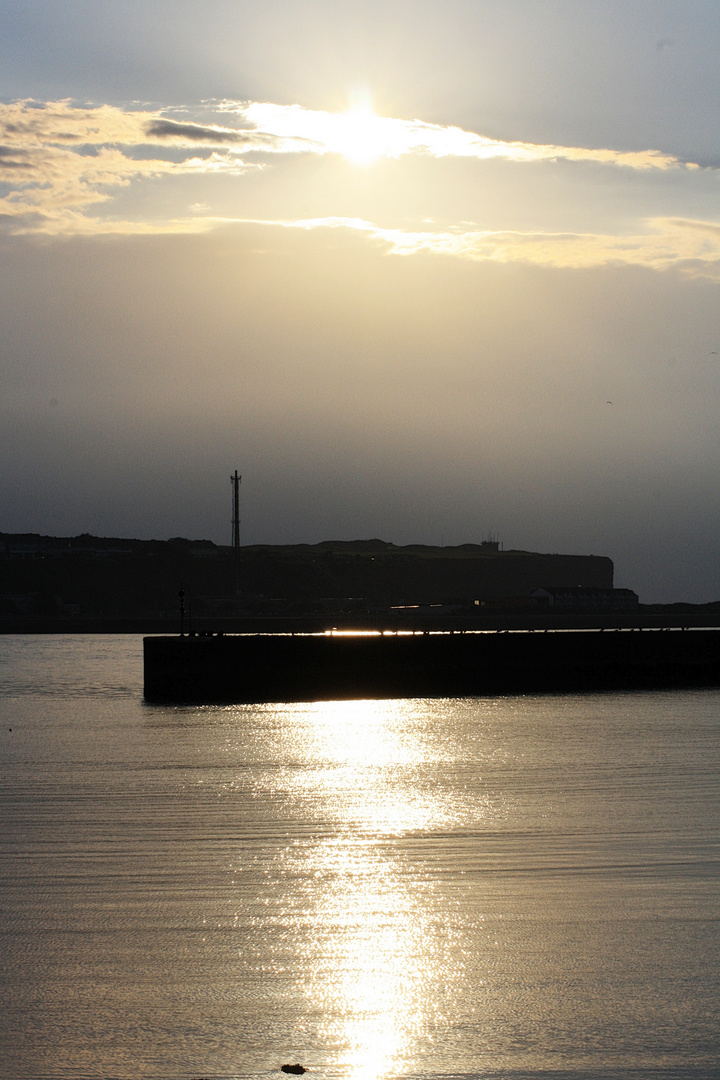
{"points": [[235, 481]]}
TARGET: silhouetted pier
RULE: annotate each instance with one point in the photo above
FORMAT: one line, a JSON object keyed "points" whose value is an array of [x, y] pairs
{"points": [[247, 668]]}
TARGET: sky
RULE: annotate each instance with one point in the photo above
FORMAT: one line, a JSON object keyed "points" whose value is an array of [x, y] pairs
{"points": [[427, 272]]}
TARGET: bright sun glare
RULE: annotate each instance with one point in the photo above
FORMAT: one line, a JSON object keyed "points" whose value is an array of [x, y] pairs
{"points": [[360, 137], [358, 134]]}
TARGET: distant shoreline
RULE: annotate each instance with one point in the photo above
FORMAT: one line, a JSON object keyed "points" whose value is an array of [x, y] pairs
{"points": [[650, 617]]}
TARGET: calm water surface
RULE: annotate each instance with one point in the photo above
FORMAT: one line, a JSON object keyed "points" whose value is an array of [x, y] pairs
{"points": [[507, 887]]}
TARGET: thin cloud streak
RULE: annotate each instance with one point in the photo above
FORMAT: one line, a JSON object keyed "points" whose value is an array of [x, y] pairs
{"points": [[690, 246]]}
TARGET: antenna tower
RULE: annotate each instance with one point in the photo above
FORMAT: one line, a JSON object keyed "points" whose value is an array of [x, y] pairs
{"points": [[235, 481]]}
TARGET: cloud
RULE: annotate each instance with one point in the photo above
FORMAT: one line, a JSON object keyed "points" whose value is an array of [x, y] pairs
{"points": [[336, 133], [188, 134], [59, 162], [688, 245], [60, 123], [193, 133]]}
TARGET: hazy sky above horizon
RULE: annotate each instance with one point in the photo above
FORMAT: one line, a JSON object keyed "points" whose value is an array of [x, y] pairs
{"points": [[419, 271]]}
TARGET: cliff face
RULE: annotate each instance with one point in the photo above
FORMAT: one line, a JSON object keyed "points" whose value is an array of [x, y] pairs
{"points": [[510, 574], [426, 576], [105, 577]]}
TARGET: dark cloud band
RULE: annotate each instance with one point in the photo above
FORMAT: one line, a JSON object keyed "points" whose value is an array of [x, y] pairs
{"points": [[171, 129]]}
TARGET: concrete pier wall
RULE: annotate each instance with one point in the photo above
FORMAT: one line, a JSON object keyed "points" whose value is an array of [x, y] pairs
{"points": [[275, 667]]}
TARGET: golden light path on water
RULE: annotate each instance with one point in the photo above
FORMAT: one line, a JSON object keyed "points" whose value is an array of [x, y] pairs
{"points": [[382, 961], [494, 887]]}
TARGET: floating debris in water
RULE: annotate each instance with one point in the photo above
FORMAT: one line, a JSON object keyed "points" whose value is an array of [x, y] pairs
{"points": [[297, 1069]]}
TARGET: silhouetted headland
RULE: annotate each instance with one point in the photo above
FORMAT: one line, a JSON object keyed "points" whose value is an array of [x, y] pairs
{"points": [[89, 584]]}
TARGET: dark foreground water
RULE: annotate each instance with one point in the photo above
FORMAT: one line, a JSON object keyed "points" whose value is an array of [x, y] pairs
{"points": [[504, 888]]}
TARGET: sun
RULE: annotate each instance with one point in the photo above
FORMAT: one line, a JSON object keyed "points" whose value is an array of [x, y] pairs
{"points": [[360, 136]]}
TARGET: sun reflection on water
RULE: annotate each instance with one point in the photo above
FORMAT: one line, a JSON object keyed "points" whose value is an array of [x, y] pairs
{"points": [[370, 975], [367, 759], [378, 958]]}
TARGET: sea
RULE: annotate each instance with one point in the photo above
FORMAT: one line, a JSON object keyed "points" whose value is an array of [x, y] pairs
{"points": [[505, 888]]}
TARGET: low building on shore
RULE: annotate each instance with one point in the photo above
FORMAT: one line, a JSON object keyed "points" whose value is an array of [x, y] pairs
{"points": [[584, 598]]}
